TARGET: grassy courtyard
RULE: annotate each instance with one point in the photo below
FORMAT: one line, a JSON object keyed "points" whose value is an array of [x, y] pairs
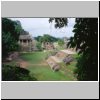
{"points": [[39, 68]]}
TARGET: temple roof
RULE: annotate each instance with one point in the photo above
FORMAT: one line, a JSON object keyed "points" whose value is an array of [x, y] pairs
{"points": [[25, 37]]}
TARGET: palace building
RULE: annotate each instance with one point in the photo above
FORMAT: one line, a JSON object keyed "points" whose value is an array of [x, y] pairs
{"points": [[26, 41]]}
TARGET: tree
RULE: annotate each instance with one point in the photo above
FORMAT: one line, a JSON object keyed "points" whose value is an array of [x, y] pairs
{"points": [[38, 38], [85, 40], [59, 22], [46, 38], [15, 73], [10, 34], [38, 45], [60, 42]]}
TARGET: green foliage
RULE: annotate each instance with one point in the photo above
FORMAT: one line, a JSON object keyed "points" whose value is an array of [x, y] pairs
{"points": [[86, 70], [15, 73], [59, 22], [18, 27], [46, 38], [9, 43], [60, 42], [38, 45], [86, 42], [37, 38], [10, 35]]}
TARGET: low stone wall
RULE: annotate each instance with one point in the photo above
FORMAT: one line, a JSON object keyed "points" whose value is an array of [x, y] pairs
{"points": [[61, 55], [12, 56], [54, 66]]}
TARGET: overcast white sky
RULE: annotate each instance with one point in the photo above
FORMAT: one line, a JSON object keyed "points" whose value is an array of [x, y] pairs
{"points": [[40, 26]]}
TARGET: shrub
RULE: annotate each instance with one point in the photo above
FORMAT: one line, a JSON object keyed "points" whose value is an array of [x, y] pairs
{"points": [[15, 73]]}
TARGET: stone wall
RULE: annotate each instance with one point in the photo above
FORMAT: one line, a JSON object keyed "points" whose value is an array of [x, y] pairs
{"points": [[12, 56], [48, 46], [54, 66], [61, 55]]}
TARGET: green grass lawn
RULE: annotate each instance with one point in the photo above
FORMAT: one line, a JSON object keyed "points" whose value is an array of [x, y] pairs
{"points": [[39, 68], [34, 58]]}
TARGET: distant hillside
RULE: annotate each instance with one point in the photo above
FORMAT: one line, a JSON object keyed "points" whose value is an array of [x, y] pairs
{"points": [[46, 38]]}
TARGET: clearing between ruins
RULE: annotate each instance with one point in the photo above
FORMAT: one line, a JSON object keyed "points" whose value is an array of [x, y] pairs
{"points": [[49, 49]]}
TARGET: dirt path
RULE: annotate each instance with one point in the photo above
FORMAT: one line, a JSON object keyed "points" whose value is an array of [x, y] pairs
{"points": [[44, 63], [24, 64]]}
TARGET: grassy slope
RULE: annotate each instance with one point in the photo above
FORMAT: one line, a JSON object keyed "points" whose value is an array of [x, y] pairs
{"points": [[40, 69]]}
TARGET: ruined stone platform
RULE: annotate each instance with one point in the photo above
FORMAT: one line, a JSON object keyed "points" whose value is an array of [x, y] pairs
{"points": [[68, 52], [61, 56]]}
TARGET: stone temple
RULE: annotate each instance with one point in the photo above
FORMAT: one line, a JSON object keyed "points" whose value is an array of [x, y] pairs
{"points": [[48, 45], [26, 42]]}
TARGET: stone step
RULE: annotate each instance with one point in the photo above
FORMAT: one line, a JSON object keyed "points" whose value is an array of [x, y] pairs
{"points": [[56, 59], [68, 52]]}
